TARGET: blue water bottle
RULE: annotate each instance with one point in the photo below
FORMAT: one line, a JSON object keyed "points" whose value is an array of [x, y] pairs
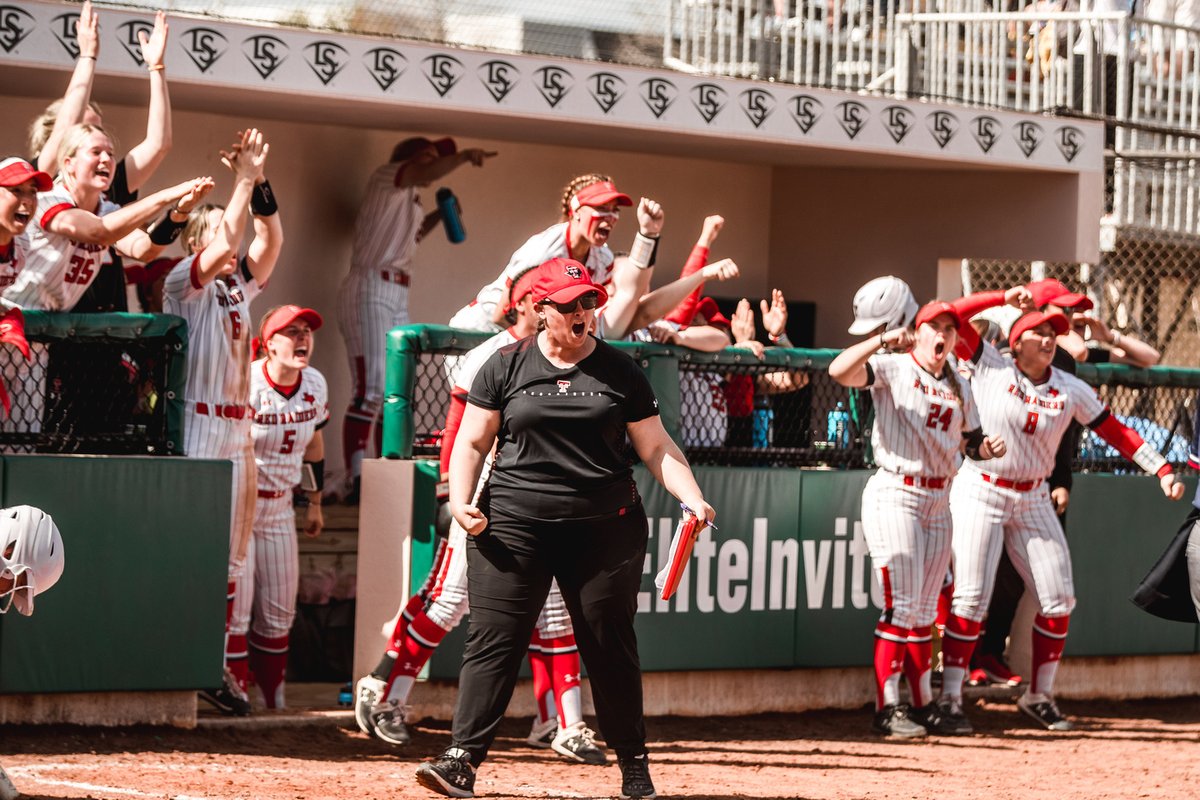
{"points": [[451, 215], [763, 419], [837, 431]]}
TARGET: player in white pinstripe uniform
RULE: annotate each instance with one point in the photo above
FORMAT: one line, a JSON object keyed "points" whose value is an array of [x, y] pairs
{"points": [[925, 416], [373, 298], [20, 183], [290, 404], [1007, 504], [442, 602], [590, 208], [212, 289]]}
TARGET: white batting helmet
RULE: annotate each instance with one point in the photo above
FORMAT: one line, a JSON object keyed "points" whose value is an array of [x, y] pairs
{"points": [[883, 301], [31, 556], [1002, 317]]}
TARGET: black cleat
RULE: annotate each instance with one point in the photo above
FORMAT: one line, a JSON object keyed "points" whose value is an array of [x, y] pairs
{"points": [[893, 721], [450, 774], [635, 778]]}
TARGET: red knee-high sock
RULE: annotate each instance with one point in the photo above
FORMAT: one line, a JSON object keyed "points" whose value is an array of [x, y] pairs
{"points": [[1049, 638], [230, 593], [412, 608], [945, 597], [421, 638], [237, 659], [918, 661], [958, 642], [268, 662], [890, 643], [566, 673], [541, 666]]}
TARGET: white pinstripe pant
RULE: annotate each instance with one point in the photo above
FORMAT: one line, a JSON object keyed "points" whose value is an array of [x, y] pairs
{"points": [[987, 518], [207, 436], [369, 307], [907, 529], [266, 593]]}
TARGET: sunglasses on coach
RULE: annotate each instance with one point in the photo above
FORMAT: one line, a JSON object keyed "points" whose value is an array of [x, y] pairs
{"points": [[588, 301]]}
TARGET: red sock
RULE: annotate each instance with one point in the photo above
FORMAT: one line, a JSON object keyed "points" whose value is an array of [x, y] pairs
{"points": [[918, 660], [412, 608], [421, 639], [541, 665], [237, 659], [890, 643], [566, 674], [268, 662], [1049, 638], [945, 596], [230, 592], [958, 642]]}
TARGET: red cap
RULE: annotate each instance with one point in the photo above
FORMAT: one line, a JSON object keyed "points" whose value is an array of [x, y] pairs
{"points": [[599, 193], [15, 171], [285, 315], [561, 280], [935, 309], [410, 147], [1057, 320], [522, 286], [1053, 292], [707, 307]]}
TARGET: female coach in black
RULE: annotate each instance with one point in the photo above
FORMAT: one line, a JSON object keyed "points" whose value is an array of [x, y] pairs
{"points": [[560, 503]]}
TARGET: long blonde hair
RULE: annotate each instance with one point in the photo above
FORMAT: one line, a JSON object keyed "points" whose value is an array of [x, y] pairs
{"points": [[72, 140], [41, 128], [197, 226]]}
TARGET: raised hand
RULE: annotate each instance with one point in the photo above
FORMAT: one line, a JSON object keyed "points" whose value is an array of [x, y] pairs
{"points": [[247, 157], [477, 155], [650, 217], [199, 189], [154, 46], [1020, 297], [87, 32], [710, 230], [1171, 486], [774, 316], [721, 270], [741, 324]]}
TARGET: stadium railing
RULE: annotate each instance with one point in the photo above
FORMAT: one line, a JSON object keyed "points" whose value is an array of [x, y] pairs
{"points": [[732, 409], [108, 384]]}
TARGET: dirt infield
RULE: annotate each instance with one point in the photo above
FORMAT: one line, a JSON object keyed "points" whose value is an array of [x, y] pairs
{"points": [[1147, 749]]}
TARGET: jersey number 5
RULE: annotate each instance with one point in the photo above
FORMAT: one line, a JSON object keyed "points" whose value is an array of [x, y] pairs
{"points": [[1030, 423], [289, 441], [939, 417]]}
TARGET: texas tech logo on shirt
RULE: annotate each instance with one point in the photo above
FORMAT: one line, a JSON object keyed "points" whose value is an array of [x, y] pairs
{"points": [[563, 386]]}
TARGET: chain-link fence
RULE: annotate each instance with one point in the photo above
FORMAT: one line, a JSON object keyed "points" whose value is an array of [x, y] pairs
{"points": [[732, 409], [95, 383]]}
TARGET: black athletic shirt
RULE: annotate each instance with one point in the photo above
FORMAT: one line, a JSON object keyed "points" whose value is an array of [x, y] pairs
{"points": [[561, 452]]}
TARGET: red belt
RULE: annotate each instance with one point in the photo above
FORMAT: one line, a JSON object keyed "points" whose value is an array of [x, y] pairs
{"points": [[925, 483], [398, 276], [271, 495], [228, 412], [1017, 486]]}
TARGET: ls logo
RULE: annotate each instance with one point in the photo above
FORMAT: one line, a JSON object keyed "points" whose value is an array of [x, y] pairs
{"points": [[553, 83], [1070, 142], [385, 65], [986, 131], [852, 116], [16, 24], [942, 126], [757, 105], [499, 78], [443, 72], [129, 38], [659, 94], [64, 30], [606, 89], [204, 46], [265, 53], [805, 110], [326, 60], [1028, 135], [897, 121], [708, 99]]}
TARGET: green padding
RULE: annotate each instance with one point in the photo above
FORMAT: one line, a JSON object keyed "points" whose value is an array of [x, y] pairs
{"points": [[1122, 375], [141, 604], [1117, 527]]}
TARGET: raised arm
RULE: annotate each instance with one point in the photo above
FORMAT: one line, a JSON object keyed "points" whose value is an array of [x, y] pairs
{"points": [[1129, 444], [667, 464], [631, 274], [419, 174], [658, 303], [146, 155], [85, 227], [79, 90], [476, 435], [245, 159], [143, 246], [249, 159], [850, 366], [1125, 349]]}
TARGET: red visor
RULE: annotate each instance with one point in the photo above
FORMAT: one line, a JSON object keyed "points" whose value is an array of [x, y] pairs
{"points": [[285, 315], [1031, 320], [598, 194]]}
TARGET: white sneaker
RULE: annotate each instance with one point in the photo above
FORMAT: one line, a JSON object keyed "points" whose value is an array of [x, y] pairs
{"points": [[578, 743], [367, 694]]}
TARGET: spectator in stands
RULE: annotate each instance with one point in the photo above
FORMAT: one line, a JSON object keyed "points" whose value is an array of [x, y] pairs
{"points": [[212, 289], [107, 292]]}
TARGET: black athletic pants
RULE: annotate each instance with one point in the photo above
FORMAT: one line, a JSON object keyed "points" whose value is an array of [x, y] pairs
{"points": [[598, 564]]}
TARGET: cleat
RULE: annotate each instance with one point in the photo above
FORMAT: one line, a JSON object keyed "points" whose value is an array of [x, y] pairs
{"points": [[388, 720], [229, 698], [951, 721], [542, 734], [1042, 709], [367, 692], [892, 721], [450, 774], [578, 743], [635, 778], [997, 671], [978, 678]]}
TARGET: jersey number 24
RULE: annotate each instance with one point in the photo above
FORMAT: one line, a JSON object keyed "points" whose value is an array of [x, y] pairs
{"points": [[939, 417]]}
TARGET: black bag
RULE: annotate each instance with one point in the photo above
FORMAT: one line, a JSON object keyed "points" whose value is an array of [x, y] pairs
{"points": [[1166, 590]]}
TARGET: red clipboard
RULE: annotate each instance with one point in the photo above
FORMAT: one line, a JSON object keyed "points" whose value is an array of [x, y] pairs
{"points": [[686, 533]]}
